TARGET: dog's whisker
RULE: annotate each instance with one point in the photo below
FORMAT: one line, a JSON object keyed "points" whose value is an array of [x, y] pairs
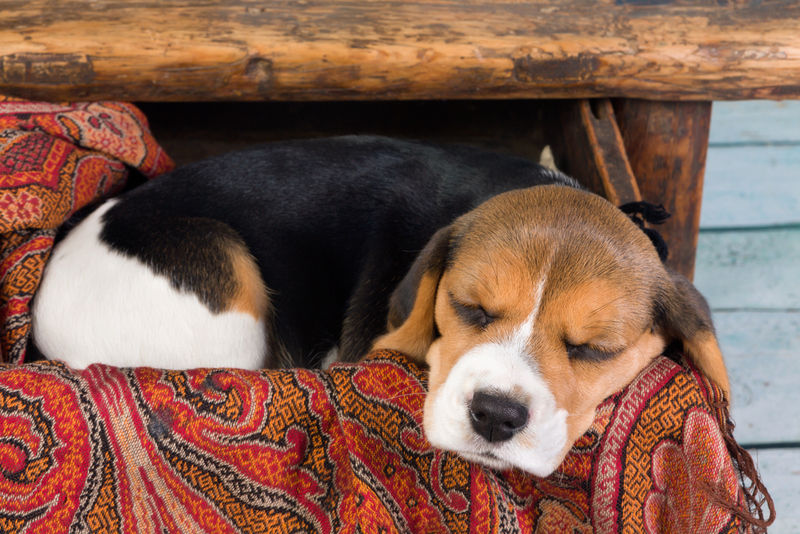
{"points": [[412, 389], [581, 414], [609, 303]]}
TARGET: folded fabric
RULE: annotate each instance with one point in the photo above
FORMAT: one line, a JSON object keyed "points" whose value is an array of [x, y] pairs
{"points": [[217, 450], [54, 160]]}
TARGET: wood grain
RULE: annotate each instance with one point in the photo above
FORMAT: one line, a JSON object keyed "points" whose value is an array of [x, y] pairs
{"points": [[755, 269], [755, 122], [750, 277], [588, 146], [760, 349], [380, 49], [752, 186], [666, 144], [780, 471]]}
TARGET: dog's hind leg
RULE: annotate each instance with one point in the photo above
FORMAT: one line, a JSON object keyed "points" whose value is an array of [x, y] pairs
{"points": [[161, 292]]}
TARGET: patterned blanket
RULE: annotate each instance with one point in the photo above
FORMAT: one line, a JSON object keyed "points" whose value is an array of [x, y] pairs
{"points": [[54, 160], [215, 450], [218, 450]]}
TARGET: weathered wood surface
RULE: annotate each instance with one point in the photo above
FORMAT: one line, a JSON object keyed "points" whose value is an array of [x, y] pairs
{"points": [[753, 165], [751, 278], [755, 122], [780, 470], [666, 144], [761, 352], [751, 269], [753, 185], [588, 146], [420, 49]]}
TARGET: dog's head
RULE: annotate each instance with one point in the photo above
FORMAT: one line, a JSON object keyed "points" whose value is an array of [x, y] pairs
{"points": [[532, 309]]}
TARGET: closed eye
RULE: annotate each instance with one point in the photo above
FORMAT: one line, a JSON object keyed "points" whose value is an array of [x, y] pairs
{"points": [[589, 353], [472, 314]]}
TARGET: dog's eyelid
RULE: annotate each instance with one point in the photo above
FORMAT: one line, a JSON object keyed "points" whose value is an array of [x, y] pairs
{"points": [[472, 314], [590, 353]]}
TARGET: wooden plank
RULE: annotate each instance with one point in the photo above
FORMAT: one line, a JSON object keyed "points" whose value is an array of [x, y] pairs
{"points": [[751, 186], [761, 352], [588, 145], [780, 471], [755, 122], [750, 269], [666, 144], [750, 183], [420, 49]]}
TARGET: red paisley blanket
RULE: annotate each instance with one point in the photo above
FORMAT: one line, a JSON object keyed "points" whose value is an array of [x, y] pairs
{"points": [[217, 450]]}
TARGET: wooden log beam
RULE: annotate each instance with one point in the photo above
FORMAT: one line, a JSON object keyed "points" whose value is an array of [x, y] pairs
{"points": [[417, 49]]}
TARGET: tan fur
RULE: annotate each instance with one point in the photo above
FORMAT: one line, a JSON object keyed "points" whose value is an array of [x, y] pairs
{"points": [[413, 338], [602, 281], [252, 296], [705, 352], [580, 314]]}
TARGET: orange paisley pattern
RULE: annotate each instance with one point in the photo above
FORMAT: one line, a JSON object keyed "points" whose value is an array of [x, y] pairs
{"points": [[224, 450], [676, 504], [54, 160]]}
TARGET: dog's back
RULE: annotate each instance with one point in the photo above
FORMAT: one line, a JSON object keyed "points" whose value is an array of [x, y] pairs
{"points": [[264, 257]]}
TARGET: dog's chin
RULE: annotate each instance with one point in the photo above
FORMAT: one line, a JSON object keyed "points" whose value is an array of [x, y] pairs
{"points": [[488, 459], [502, 460]]}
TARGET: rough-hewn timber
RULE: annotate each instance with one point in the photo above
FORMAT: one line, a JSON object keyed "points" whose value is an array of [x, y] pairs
{"points": [[418, 49]]}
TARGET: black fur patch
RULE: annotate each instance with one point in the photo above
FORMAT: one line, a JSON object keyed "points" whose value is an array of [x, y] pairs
{"points": [[431, 260], [680, 311], [194, 254]]}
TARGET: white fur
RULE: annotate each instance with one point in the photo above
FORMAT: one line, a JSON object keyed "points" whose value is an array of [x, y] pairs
{"points": [[498, 367], [95, 305], [504, 367], [330, 358]]}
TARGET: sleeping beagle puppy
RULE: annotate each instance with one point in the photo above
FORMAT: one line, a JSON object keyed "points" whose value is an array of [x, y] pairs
{"points": [[531, 300], [265, 257], [532, 309]]}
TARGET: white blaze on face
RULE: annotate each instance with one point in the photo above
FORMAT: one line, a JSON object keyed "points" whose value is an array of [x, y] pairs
{"points": [[504, 367]]}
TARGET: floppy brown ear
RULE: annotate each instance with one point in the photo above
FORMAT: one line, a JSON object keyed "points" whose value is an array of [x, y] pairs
{"points": [[411, 324], [685, 316]]}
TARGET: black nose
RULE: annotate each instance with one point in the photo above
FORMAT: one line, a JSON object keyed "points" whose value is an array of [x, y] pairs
{"points": [[495, 417]]}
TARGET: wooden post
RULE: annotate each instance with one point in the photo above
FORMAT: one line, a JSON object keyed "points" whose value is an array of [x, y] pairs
{"points": [[666, 144]]}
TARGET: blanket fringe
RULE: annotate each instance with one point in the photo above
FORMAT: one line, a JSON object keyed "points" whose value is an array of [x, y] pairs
{"points": [[754, 493]]}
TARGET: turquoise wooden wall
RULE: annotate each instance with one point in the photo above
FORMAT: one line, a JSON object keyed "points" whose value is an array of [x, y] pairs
{"points": [[748, 267]]}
